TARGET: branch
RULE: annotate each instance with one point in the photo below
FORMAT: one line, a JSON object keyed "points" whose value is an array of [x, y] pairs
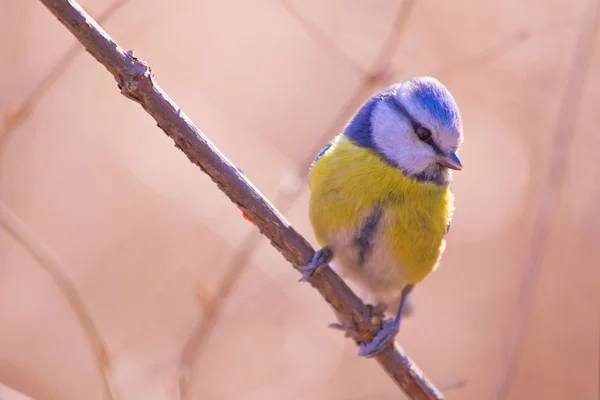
{"points": [[321, 37], [15, 117], [376, 76], [561, 145], [50, 263], [136, 82]]}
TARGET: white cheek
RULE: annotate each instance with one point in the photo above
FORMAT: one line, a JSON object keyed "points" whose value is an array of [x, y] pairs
{"points": [[393, 137]]}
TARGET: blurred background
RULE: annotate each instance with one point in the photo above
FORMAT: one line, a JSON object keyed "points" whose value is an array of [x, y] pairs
{"points": [[126, 274]]}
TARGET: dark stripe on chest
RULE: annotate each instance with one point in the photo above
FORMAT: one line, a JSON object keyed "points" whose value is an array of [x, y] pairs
{"points": [[364, 240]]}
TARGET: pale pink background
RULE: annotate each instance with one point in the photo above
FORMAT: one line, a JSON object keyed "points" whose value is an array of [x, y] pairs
{"points": [[147, 239]]}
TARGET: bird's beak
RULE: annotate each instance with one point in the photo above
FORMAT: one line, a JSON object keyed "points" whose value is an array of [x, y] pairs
{"points": [[451, 161]]}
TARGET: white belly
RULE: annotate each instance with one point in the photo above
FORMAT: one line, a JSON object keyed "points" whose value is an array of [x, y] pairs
{"points": [[379, 278]]}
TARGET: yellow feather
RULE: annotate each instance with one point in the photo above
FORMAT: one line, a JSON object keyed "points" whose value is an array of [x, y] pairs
{"points": [[348, 181]]}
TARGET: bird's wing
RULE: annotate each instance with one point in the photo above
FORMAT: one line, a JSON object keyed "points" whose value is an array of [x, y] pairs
{"points": [[323, 151]]}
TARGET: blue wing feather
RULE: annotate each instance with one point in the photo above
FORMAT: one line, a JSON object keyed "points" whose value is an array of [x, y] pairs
{"points": [[323, 151]]}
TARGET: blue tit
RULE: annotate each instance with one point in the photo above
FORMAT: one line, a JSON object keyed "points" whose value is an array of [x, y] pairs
{"points": [[380, 202]]}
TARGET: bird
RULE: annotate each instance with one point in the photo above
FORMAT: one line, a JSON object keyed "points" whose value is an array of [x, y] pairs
{"points": [[380, 201]]}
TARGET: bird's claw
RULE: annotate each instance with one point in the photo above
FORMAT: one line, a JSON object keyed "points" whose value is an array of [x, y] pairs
{"points": [[349, 332], [384, 338], [376, 313], [377, 310], [320, 259]]}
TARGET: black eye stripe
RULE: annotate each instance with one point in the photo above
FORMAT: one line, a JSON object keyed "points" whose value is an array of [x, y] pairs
{"points": [[415, 124], [435, 146]]}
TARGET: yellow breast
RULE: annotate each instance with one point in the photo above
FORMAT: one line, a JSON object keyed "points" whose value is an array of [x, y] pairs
{"points": [[348, 181]]}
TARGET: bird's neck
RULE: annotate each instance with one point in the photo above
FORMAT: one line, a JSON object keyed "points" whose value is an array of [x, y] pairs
{"points": [[370, 173], [434, 174]]}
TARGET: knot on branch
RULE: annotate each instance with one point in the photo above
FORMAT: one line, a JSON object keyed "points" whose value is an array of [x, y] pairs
{"points": [[136, 81], [365, 329]]}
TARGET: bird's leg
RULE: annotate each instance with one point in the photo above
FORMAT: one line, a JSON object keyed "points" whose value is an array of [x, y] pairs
{"points": [[391, 327], [320, 259]]}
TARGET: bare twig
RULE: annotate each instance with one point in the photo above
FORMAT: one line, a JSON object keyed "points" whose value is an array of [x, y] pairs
{"points": [[496, 50], [321, 37], [491, 53], [49, 261], [15, 117], [379, 75], [18, 377], [190, 354], [563, 137], [135, 80], [17, 229]]}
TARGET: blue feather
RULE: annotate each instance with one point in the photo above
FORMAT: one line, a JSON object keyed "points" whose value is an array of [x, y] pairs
{"points": [[437, 102], [359, 128], [321, 153]]}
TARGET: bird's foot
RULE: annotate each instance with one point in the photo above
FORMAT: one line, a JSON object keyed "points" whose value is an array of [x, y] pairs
{"points": [[320, 259], [376, 313], [378, 310], [383, 339]]}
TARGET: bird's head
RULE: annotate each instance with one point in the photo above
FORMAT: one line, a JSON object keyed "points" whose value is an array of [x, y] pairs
{"points": [[414, 125]]}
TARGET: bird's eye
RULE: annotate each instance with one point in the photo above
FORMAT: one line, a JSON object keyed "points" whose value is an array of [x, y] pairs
{"points": [[423, 133]]}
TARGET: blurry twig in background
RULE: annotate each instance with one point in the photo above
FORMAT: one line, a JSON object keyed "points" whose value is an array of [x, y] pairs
{"points": [[490, 53], [561, 143], [135, 80], [284, 199], [500, 48], [19, 378], [379, 74], [13, 118], [321, 37], [53, 267]]}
